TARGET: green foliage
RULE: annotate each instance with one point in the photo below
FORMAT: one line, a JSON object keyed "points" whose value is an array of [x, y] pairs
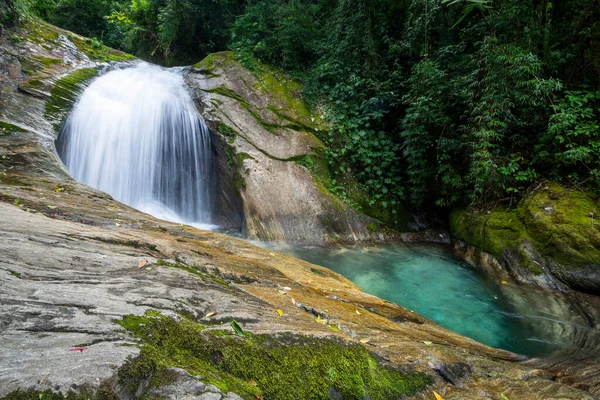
{"points": [[439, 101], [430, 102], [572, 142], [12, 11]]}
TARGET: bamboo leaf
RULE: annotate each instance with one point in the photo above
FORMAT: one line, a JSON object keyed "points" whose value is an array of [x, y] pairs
{"points": [[237, 328]]}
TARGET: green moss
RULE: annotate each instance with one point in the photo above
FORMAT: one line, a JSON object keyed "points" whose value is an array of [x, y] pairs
{"points": [[235, 160], [492, 231], [224, 91], [372, 227], [564, 223], [95, 50], [213, 61], [317, 271], [48, 62], [7, 129], [286, 367], [227, 131], [561, 223], [35, 84], [65, 92], [16, 274], [40, 32]]}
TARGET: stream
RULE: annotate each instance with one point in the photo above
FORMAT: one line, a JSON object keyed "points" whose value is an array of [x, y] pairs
{"points": [[431, 281]]}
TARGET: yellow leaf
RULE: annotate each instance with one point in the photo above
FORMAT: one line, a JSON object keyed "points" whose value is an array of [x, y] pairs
{"points": [[252, 383], [504, 283], [321, 320], [357, 312], [211, 314], [280, 313], [363, 341], [117, 224], [437, 396], [427, 343]]}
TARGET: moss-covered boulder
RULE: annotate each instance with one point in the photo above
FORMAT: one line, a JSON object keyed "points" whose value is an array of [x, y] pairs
{"points": [[552, 237], [274, 155]]}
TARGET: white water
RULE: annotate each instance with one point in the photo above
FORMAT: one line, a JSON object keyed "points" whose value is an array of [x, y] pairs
{"points": [[136, 135]]}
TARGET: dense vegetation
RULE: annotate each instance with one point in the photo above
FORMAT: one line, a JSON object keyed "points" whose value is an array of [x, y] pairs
{"points": [[431, 101]]}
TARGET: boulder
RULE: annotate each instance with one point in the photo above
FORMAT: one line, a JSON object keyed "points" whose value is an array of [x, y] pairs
{"points": [[552, 238]]}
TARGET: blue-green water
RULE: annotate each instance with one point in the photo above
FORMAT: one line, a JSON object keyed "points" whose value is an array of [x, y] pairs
{"points": [[432, 282]]}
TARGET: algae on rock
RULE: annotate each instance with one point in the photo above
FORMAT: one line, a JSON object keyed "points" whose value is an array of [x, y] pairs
{"points": [[553, 231], [274, 367]]}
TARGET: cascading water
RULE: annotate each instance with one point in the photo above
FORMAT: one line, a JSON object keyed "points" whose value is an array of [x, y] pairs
{"points": [[136, 135]]}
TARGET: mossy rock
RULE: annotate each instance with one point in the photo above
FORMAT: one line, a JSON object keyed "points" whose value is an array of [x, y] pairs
{"points": [[561, 224], [65, 93], [565, 224], [7, 129], [283, 93], [285, 367]]}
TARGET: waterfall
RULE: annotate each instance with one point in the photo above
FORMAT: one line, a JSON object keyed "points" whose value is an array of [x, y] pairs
{"points": [[136, 135]]}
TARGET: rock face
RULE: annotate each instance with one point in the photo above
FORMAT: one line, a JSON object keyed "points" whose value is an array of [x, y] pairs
{"points": [[552, 238], [277, 160], [104, 301]]}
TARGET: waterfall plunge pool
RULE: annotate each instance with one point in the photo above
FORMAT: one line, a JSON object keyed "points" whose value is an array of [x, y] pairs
{"points": [[135, 133], [431, 281]]}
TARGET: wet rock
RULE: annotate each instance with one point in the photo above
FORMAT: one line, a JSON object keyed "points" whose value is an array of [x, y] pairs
{"points": [[454, 373], [270, 140]]}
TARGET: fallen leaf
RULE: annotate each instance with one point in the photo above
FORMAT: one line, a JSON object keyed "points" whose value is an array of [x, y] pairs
{"points": [[504, 283], [280, 313], [142, 264], [334, 327], [79, 349], [117, 224], [148, 269], [357, 312], [363, 341], [320, 320], [257, 397], [252, 383], [211, 314], [427, 343], [52, 207], [437, 396], [286, 288], [236, 327], [503, 396], [281, 292]]}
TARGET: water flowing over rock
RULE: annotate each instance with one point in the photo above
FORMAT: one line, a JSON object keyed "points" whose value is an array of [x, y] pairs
{"points": [[136, 135]]}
